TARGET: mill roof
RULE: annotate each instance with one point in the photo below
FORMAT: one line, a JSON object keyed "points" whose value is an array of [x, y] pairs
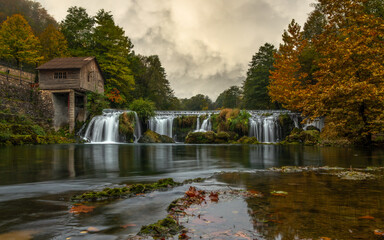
{"points": [[66, 63]]}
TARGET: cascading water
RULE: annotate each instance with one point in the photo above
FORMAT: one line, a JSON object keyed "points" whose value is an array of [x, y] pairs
{"points": [[105, 128], [197, 124], [205, 126], [265, 127], [162, 124]]}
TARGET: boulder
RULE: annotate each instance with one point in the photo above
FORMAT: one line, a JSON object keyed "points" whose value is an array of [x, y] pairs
{"points": [[307, 137], [248, 140], [200, 137], [153, 137]]}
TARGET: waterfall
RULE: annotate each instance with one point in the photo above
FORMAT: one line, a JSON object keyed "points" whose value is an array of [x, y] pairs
{"points": [[197, 124], [318, 123], [105, 128], [265, 127], [205, 126], [137, 128], [162, 124]]}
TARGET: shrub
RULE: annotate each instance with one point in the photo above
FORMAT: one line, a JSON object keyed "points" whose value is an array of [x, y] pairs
{"points": [[145, 109]]}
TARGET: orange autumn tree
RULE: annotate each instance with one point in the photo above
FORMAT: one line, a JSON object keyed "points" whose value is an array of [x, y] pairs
{"points": [[288, 83], [17, 41], [349, 83]]}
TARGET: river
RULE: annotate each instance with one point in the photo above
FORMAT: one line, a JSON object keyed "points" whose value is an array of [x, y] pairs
{"points": [[36, 183]]}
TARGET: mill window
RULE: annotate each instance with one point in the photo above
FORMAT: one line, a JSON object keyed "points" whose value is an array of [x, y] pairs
{"points": [[60, 75]]}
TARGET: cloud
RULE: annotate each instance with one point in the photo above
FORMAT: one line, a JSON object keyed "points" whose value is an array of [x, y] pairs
{"points": [[204, 45]]}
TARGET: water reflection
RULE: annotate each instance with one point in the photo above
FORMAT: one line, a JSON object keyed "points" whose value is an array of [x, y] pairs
{"points": [[43, 163]]}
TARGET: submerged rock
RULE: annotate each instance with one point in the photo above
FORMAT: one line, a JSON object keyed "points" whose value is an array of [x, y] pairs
{"points": [[153, 137]]}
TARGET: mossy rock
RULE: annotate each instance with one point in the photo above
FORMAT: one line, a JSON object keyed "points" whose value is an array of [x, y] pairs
{"points": [[312, 128], [222, 137], [248, 140], [127, 127], [164, 228], [153, 137], [287, 124], [307, 137], [200, 137]]}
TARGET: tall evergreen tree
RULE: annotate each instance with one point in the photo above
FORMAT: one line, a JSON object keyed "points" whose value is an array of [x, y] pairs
{"points": [[255, 86], [112, 49], [77, 28]]}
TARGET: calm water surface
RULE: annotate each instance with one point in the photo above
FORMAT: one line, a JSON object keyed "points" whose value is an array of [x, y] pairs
{"points": [[36, 183]]}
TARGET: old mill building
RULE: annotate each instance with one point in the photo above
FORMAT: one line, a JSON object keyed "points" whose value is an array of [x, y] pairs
{"points": [[68, 80]]}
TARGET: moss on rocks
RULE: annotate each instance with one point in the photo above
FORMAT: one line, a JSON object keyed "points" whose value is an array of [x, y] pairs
{"points": [[248, 140], [307, 137], [287, 125], [153, 137], [164, 228], [182, 126], [127, 127], [201, 137]]}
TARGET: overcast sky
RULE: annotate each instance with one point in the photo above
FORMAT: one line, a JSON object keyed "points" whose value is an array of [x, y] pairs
{"points": [[204, 45]]}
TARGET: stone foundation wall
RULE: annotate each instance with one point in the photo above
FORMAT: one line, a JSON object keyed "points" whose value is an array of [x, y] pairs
{"points": [[22, 99]]}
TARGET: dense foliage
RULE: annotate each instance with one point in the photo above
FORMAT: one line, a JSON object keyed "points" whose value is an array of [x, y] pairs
{"points": [[37, 17], [230, 98], [255, 86], [17, 41], [347, 82], [145, 109], [196, 103]]}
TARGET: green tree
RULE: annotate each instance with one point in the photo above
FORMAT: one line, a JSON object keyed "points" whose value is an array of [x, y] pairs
{"points": [[229, 98], [197, 102], [145, 109], [53, 43], [151, 82], [17, 41], [255, 86], [77, 28], [112, 49]]}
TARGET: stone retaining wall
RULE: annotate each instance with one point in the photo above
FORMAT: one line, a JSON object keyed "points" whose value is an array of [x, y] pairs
{"points": [[26, 76], [22, 99]]}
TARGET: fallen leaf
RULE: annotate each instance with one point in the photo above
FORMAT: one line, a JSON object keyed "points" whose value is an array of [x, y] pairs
{"points": [[378, 232], [128, 225], [93, 230], [184, 236], [76, 209], [279, 193], [242, 235], [367, 217], [255, 193], [192, 192], [83, 232], [235, 212], [325, 238], [214, 196]]}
